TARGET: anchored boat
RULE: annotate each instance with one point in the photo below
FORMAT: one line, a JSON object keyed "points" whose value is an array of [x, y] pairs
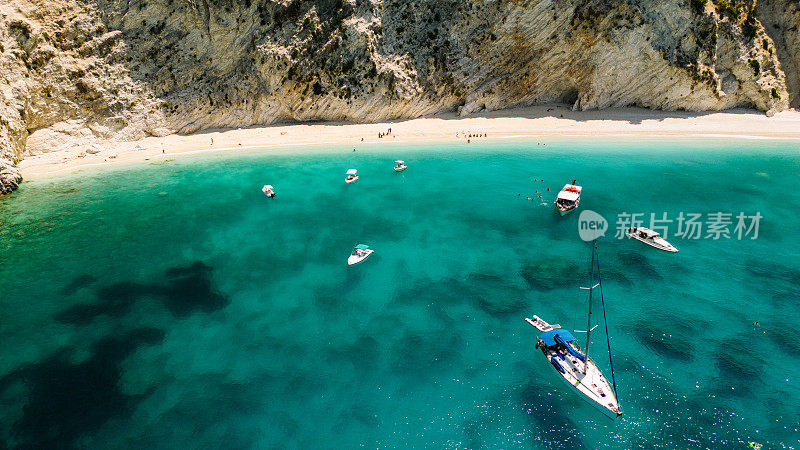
{"points": [[572, 363], [360, 253], [400, 166], [650, 238], [352, 176], [568, 198], [268, 190]]}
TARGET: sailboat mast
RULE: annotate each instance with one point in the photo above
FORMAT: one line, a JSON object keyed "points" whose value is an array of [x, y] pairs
{"points": [[589, 324]]}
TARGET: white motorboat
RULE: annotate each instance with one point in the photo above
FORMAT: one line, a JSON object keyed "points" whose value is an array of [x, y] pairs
{"points": [[360, 253], [572, 364], [568, 198], [352, 176], [268, 190], [401, 166], [650, 238]]}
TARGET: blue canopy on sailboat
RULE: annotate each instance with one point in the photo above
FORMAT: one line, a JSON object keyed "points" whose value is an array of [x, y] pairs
{"points": [[549, 337], [362, 246]]}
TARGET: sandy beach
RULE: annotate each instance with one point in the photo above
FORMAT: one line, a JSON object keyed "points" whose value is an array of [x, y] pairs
{"points": [[519, 123]]}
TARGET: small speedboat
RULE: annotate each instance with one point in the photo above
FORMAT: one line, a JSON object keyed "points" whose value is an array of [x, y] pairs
{"points": [[569, 198], [401, 166], [268, 190], [650, 238], [352, 176], [360, 253]]}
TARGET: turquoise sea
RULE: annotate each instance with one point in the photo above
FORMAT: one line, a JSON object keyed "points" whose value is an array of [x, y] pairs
{"points": [[174, 306]]}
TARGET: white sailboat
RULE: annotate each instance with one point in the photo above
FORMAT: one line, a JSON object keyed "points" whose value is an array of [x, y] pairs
{"points": [[401, 166], [572, 364], [568, 198], [360, 253], [352, 176], [650, 238]]}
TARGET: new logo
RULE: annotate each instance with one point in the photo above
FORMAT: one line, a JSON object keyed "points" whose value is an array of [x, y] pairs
{"points": [[591, 225]]}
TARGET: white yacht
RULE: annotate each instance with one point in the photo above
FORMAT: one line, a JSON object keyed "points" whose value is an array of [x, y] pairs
{"points": [[268, 190], [650, 238], [573, 365], [360, 253], [401, 166], [352, 176], [568, 198]]}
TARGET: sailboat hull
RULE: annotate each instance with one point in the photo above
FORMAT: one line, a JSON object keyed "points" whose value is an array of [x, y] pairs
{"points": [[606, 412], [590, 387]]}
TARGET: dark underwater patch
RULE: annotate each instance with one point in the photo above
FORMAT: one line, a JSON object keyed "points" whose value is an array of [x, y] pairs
{"points": [[637, 262], [772, 271], [495, 296], [187, 289], [543, 413], [740, 368], [786, 341], [552, 274], [364, 415], [418, 355], [190, 288], [363, 354], [666, 340], [77, 283], [447, 292], [617, 276], [737, 359], [473, 430], [669, 346], [66, 401]]}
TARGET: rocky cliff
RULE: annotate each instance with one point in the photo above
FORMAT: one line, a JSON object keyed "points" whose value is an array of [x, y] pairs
{"points": [[77, 71]]}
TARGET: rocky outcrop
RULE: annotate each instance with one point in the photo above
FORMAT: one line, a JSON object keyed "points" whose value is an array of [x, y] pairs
{"points": [[75, 72], [781, 20]]}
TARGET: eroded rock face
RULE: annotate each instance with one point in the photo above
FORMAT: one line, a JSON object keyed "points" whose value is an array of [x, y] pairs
{"points": [[781, 21], [73, 72]]}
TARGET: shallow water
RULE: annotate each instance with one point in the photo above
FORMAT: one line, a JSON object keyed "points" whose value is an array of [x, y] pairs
{"points": [[173, 305]]}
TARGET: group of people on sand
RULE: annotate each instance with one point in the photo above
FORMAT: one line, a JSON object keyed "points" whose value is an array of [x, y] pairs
{"points": [[380, 135], [470, 136]]}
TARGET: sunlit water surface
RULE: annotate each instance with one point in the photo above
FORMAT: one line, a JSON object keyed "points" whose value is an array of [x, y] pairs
{"points": [[174, 306]]}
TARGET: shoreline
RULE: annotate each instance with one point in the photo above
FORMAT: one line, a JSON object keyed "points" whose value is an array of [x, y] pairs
{"points": [[547, 121]]}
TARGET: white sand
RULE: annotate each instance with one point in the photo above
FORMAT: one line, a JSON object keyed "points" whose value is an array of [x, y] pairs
{"points": [[520, 123]]}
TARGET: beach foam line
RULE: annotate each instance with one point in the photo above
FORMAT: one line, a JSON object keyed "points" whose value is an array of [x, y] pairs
{"points": [[517, 136], [78, 166], [677, 135], [741, 136], [204, 150], [222, 149]]}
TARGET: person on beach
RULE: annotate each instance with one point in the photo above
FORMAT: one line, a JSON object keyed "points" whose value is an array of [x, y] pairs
{"points": [[212, 141]]}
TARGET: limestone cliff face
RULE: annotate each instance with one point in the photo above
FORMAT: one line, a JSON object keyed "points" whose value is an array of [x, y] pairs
{"points": [[76, 71], [781, 20]]}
